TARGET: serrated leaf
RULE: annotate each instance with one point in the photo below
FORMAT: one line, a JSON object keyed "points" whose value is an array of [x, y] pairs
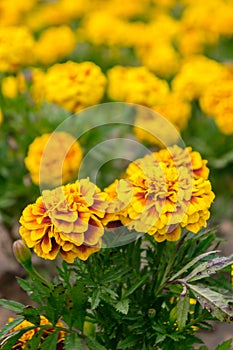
{"points": [[50, 342], [182, 310], [24, 284], [114, 275], [123, 306], [209, 268], [72, 342], [217, 304], [32, 315], [160, 338], [12, 305], [94, 344], [34, 342], [10, 326], [136, 286], [226, 345], [95, 300], [128, 342], [191, 263], [110, 291], [11, 339]]}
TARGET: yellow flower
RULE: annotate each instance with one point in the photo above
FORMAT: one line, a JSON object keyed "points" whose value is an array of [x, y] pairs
{"points": [[1, 116], [37, 88], [53, 159], [195, 75], [217, 102], [163, 192], [136, 85], [12, 86], [13, 11], [20, 344], [66, 220], [16, 49], [54, 44], [155, 128], [75, 86]]}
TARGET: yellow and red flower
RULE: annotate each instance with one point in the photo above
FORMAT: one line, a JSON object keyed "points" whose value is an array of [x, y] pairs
{"points": [[65, 220]]}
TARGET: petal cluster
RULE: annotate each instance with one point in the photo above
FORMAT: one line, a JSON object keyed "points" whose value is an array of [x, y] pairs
{"points": [[53, 159], [65, 220], [162, 192]]}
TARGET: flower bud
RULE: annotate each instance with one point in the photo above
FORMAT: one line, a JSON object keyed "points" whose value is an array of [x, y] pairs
{"points": [[22, 253]]}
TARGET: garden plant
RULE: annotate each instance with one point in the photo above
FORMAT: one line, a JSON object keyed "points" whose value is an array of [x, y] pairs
{"points": [[116, 126]]}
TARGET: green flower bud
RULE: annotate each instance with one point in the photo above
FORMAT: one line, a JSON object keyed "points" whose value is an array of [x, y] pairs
{"points": [[151, 313], [22, 253]]}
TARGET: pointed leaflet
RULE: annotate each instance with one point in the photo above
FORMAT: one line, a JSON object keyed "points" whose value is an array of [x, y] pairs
{"points": [[12, 305], [123, 306], [94, 345], [95, 299], [226, 345], [6, 329], [182, 310], [209, 268], [72, 342], [191, 263], [50, 342], [217, 304], [11, 339]]}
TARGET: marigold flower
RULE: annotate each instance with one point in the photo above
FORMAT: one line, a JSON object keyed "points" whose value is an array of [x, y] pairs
{"points": [[54, 44], [74, 86], [12, 86], [16, 50], [217, 102], [136, 85], [66, 220], [20, 344], [167, 193], [53, 159], [153, 129], [195, 75]]}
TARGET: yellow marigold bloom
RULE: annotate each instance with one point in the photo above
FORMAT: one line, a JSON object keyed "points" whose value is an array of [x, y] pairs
{"points": [[13, 11], [195, 75], [74, 86], [20, 344], [136, 85], [12, 86], [66, 220], [167, 193], [16, 49], [53, 159], [217, 102], [150, 128], [37, 88], [54, 44]]}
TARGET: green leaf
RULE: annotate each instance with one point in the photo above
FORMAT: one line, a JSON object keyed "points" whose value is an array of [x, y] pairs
{"points": [[72, 342], [226, 345], [182, 310], [123, 306], [217, 304], [11, 339], [12, 305], [10, 326], [128, 343], [209, 268], [50, 342], [136, 286], [191, 263], [79, 298], [94, 344], [95, 300], [114, 275], [32, 315], [34, 342], [24, 284], [160, 338]]}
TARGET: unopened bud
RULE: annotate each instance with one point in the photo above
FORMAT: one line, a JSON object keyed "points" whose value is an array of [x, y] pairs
{"points": [[22, 253]]}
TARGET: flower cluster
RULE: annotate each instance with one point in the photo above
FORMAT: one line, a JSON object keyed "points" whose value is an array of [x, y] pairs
{"points": [[162, 193], [66, 220], [53, 159], [20, 344], [16, 49]]}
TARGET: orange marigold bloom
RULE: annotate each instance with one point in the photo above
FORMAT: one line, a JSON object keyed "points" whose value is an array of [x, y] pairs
{"points": [[20, 344], [66, 219], [53, 159], [163, 192]]}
